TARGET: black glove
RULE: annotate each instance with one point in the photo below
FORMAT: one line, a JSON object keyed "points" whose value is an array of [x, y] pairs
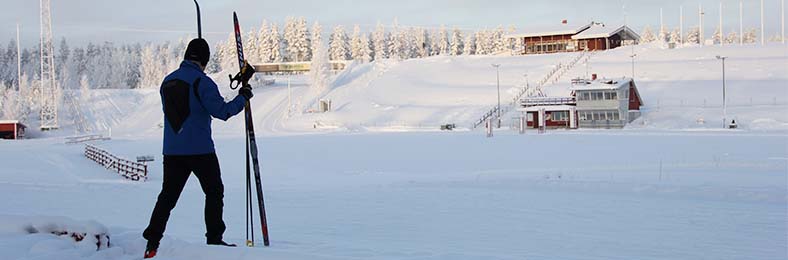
{"points": [[246, 92]]}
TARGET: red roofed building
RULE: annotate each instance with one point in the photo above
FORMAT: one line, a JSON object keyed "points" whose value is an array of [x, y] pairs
{"points": [[568, 38], [12, 129]]}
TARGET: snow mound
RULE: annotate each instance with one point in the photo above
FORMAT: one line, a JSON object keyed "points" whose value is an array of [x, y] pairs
{"points": [[51, 237]]}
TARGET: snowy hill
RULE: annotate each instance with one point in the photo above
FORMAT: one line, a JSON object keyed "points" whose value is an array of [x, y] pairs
{"points": [[680, 88]]}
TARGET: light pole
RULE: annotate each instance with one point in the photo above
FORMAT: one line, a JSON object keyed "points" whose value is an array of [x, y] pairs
{"points": [[498, 80], [724, 107]]}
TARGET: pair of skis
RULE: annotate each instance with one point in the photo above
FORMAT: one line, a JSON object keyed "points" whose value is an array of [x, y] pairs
{"points": [[243, 78], [251, 147]]}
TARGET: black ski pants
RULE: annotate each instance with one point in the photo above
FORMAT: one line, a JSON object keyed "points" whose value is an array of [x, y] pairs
{"points": [[176, 172]]}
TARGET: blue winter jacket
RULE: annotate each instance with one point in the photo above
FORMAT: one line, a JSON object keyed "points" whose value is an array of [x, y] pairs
{"points": [[189, 98]]}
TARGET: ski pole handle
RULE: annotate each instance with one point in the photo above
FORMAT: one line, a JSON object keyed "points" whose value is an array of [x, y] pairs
{"points": [[243, 76]]}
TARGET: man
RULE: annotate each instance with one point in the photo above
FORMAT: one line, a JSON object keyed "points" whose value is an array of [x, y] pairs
{"points": [[189, 99]]}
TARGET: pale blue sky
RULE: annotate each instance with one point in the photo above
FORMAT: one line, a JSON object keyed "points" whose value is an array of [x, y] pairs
{"points": [[160, 20]]}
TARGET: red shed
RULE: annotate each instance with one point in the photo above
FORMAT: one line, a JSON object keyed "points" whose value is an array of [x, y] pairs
{"points": [[12, 129]]}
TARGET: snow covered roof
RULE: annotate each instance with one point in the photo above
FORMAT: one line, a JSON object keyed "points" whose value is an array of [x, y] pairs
{"points": [[547, 108], [550, 30], [601, 31], [603, 84], [9, 121]]}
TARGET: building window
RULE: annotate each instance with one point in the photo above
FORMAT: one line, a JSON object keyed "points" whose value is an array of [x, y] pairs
{"points": [[611, 96], [597, 96], [559, 116], [611, 115]]}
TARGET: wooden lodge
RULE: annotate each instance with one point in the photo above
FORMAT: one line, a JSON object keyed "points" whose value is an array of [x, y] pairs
{"points": [[569, 38]]}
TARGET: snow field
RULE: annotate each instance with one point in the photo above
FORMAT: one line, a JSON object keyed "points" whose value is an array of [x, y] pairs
{"points": [[339, 186], [454, 196]]}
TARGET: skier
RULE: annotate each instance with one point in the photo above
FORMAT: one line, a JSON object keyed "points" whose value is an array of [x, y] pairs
{"points": [[189, 99]]}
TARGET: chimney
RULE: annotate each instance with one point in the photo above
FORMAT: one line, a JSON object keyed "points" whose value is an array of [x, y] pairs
{"points": [[593, 76], [564, 21]]}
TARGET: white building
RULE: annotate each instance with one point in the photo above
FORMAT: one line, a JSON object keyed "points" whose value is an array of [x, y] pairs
{"points": [[607, 103]]}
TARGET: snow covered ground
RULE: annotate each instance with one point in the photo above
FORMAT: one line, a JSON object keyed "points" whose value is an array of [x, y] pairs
{"points": [[440, 196], [664, 188]]}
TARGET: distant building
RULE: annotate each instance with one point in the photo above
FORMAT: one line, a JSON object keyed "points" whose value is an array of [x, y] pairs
{"points": [[550, 112], [597, 103], [12, 129], [569, 38], [607, 103]]}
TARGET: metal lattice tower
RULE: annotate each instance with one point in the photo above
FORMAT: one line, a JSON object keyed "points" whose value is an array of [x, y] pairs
{"points": [[49, 88]]}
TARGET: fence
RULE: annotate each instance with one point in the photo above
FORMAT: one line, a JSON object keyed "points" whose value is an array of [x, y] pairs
{"points": [[128, 169]]}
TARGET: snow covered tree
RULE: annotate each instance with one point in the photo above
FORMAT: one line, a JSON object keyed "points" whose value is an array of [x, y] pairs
{"points": [[276, 44], [485, 42], [77, 64], [61, 61], [296, 42], [317, 37], [380, 43], [288, 38], [421, 44], [359, 45], [320, 71], [409, 39], [648, 35], [27, 99], [732, 38], [304, 40], [367, 45], [251, 47], [663, 36], [8, 73], [457, 44], [338, 45], [515, 44], [675, 37], [264, 46], [751, 36], [435, 48], [401, 44], [395, 41], [10, 102], [444, 47], [479, 36], [717, 36], [470, 45], [227, 54], [150, 69], [693, 36], [499, 42]]}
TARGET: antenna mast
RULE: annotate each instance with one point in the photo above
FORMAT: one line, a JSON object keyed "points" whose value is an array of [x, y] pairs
{"points": [[48, 90]]}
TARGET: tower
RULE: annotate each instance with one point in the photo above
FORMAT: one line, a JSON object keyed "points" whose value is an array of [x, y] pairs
{"points": [[48, 88]]}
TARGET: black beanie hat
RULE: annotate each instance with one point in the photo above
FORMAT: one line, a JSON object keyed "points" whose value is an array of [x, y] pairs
{"points": [[199, 51]]}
